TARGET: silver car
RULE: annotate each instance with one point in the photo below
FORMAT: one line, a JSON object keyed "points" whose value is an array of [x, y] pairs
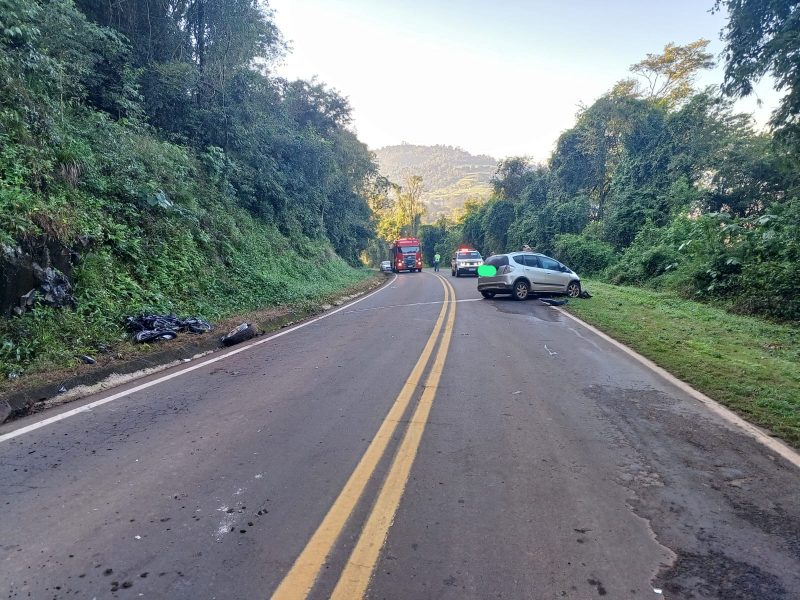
{"points": [[524, 273], [386, 266]]}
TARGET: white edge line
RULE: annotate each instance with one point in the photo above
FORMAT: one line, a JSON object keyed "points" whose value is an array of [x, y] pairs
{"points": [[416, 304], [87, 407], [728, 415]]}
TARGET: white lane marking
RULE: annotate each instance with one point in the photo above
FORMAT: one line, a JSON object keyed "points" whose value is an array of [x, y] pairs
{"points": [[550, 351], [728, 415], [413, 304], [88, 407]]}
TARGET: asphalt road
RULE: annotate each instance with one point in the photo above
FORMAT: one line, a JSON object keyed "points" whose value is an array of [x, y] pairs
{"points": [[402, 447]]}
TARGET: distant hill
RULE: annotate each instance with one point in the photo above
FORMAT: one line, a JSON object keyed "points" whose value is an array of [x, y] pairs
{"points": [[450, 175]]}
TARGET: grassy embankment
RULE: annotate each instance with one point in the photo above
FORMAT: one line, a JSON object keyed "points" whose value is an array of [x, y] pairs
{"points": [[233, 265], [748, 364]]}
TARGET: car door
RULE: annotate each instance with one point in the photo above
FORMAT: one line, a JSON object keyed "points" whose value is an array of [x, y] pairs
{"points": [[553, 277], [532, 271]]}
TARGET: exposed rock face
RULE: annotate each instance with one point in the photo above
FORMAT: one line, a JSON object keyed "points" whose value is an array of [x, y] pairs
{"points": [[34, 271]]}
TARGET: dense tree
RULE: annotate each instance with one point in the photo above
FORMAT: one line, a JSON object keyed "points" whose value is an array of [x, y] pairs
{"points": [[670, 75], [410, 204], [763, 37], [511, 177], [147, 151], [663, 185]]}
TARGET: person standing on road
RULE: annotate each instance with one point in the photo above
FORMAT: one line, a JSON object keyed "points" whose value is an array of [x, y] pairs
{"points": [[436, 259]]}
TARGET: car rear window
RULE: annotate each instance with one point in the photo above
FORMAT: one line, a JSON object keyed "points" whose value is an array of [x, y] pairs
{"points": [[469, 255], [500, 260]]}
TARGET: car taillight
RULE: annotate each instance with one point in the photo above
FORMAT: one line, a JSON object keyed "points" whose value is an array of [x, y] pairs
{"points": [[505, 269]]}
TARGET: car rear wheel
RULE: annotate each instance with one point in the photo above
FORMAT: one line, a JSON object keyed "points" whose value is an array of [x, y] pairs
{"points": [[521, 290], [487, 295], [574, 289]]}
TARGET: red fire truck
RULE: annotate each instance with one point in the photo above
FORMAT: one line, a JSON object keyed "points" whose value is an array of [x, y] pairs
{"points": [[406, 255]]}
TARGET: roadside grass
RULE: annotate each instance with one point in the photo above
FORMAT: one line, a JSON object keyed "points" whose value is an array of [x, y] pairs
{"points": [[748, 364], [266, 319], [235, 265]]}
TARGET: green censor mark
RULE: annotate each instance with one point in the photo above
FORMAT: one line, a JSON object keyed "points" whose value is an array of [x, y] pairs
{"points": [[487, 271]]}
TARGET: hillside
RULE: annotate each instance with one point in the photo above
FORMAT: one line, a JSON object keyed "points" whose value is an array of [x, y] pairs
{"points": [[118, 196], [451, 175]]}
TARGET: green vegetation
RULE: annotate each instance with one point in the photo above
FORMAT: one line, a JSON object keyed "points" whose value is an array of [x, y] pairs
{"points": [[658, 185], [146, 152], [761, 38], [748, 364]]}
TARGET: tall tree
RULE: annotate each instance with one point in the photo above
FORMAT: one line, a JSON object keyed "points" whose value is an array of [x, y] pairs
{"points": [[670, 75], [763, 37], [511, 177], [410, 203]]}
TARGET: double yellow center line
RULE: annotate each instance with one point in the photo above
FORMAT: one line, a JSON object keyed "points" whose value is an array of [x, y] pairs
{"points": [[355, 577]]}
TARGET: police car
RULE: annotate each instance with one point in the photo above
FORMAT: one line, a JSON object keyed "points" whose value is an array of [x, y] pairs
{"points": [[465, 260]]}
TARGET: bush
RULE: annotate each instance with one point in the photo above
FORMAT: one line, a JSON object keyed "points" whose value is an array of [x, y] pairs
{"points": [[584, 255], [750, 264]]}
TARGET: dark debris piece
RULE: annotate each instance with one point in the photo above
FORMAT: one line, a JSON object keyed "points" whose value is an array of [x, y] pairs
{"points": [[553, 301], [239, 334]]}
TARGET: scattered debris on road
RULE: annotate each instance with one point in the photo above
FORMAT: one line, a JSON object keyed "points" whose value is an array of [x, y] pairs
{"points": [[151, 328]]}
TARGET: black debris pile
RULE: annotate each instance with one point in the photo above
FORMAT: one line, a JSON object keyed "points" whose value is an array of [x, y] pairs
{"points": [[56, 289], [151, 328]]}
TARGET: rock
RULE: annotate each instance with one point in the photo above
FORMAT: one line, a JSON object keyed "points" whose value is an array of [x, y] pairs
{"points": [[5, 410], [36, 270], [27, 300]]}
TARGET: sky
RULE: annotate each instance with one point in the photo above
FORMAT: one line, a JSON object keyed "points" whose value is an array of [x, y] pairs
{"points": [[500, 77]]}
